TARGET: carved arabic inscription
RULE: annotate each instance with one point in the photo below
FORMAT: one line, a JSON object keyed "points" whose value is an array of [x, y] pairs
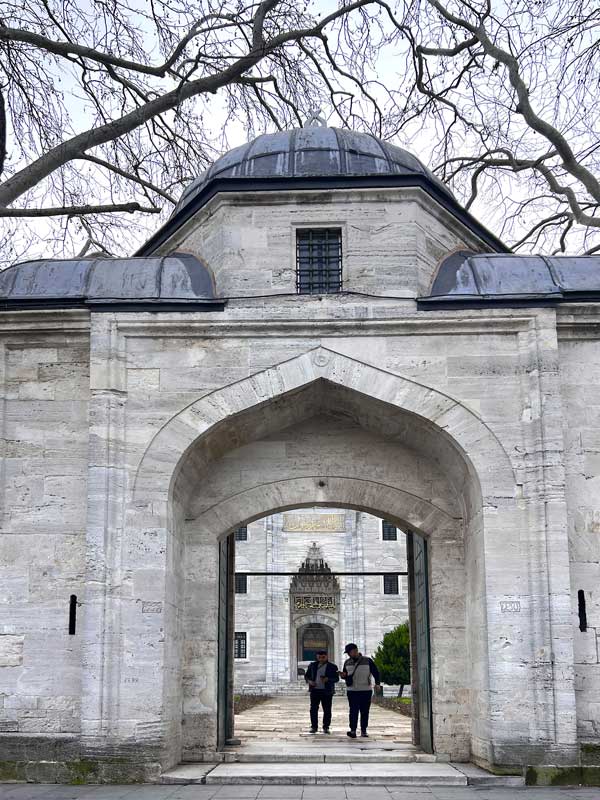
{"points": [[311, 602], [297, 523]]}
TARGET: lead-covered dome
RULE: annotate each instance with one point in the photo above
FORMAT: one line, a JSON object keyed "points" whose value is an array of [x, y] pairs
{"points": [[311, 152], [178, 280]]}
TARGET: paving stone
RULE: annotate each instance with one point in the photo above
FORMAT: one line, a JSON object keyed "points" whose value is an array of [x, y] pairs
{"points": [[375, 793], [319, 793], [281, 792], [194, 792]]}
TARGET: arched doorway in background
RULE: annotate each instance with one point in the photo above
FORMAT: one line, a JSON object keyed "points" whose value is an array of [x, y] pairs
{"points": [[314, 637]]}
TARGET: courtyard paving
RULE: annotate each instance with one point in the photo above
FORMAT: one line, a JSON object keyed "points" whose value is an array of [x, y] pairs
{"points": [[258, 792], [285, 718]]}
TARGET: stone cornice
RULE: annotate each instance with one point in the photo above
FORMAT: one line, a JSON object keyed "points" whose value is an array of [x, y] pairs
{"points": [[425, 326], [16, 323], [578, 321]]}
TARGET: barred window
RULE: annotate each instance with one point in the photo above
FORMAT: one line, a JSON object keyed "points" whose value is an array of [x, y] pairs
{"points": [[241, 535], [318, 260], [240, 646], [390, 584], [389, 532], [241, 583]]}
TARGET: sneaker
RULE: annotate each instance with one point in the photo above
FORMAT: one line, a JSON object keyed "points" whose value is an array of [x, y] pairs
{"points": [[326, 730], [351, 734], [364, 734], [313, 730]]}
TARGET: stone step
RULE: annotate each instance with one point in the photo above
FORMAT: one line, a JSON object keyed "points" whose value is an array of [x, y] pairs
{"points": [[287, 773], [347, 774], [330, 757]]}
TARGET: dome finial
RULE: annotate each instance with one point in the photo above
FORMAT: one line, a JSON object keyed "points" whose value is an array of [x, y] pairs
{"points": [[315, 120]]}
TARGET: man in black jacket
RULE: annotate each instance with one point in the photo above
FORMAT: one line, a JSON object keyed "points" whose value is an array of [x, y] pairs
{"points": [[321, 676]]}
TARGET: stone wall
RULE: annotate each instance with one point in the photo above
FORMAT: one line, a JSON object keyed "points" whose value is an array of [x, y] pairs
{"points": [[580, 384], [45, 389], [392, 239]]}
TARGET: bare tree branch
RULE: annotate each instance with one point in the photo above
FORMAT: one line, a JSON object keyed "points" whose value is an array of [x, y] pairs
{"points": [[131, 177], [78, 145], [2, 132], [116, 104], [78, 211]]}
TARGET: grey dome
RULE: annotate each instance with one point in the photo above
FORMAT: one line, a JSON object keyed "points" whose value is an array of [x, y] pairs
{"points": [[178, 279], [312, 152]]}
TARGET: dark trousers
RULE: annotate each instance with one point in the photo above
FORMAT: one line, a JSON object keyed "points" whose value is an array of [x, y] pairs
{"points": [[319, 697], [359, 702]]}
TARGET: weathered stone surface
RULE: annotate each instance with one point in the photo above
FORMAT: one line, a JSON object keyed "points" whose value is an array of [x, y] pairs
{"points": [[11, 651]]}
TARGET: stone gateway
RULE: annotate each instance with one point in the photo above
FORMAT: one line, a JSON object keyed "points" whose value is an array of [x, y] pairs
{"points": [[318, 325]]}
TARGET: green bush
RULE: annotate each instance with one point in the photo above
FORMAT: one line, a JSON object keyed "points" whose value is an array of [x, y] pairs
{"points": [[393, 657]]}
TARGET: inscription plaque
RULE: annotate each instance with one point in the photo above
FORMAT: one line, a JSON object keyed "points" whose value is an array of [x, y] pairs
{"points": [[306, 602], [298, 523]]}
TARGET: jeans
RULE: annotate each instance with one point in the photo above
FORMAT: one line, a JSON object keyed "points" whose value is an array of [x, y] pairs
{"points": [[319, 697], [359, 702]]}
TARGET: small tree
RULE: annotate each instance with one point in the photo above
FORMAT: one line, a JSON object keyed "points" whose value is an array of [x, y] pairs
{"points": [[393, 657]]}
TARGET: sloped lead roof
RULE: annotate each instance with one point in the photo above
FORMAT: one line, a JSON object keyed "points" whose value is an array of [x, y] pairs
{"points": [[467, 278], [178, 279], [311, 152]]}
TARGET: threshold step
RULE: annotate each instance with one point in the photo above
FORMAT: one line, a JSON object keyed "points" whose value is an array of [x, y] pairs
{"points": [[330, 758], [298, 773], [345, 774]]}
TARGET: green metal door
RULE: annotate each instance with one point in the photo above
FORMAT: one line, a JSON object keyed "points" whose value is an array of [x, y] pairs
{"points": [[224, 661], [418, 583]]}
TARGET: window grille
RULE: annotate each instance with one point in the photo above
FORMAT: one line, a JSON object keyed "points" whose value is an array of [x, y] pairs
{"points": [[389, 532], [390, 584], [241, 583], [241, 535], [240, 645], [318, 260]]}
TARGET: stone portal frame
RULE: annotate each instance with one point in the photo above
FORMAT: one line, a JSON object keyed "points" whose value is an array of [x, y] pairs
{"points": [[494, 521]]}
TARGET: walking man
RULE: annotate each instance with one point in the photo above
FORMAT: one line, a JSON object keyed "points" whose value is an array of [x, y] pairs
{"points": [[357, 672], [321, 676]]}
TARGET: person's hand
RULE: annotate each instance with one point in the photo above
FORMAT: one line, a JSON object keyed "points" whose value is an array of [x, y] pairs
{"points": [[312, 684], [325, 679], [342, 674]]}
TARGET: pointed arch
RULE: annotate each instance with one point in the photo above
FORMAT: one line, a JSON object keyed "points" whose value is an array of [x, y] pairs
{"points": [[468, 433]]}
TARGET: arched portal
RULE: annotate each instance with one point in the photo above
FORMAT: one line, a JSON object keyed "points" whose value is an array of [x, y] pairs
{"points": [[324, 429], [329, 445]]}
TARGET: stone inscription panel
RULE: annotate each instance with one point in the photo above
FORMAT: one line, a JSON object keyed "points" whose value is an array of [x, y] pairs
{"points": [[299, 523], [310, 602]]}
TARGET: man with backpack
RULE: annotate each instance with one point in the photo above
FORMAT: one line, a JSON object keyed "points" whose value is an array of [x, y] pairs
{"points": [[321, 676], [357, 672]]}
